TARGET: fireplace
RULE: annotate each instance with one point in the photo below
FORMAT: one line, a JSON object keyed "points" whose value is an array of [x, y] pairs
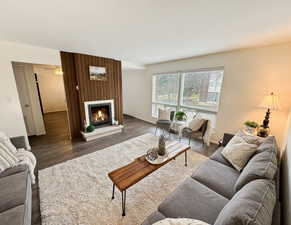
{"points": [[99, 113]]}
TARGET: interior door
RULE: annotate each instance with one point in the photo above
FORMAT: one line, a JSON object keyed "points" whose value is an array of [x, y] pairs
{"points": [[22, 87]]}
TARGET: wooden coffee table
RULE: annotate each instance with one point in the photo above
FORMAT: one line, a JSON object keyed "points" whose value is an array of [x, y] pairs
{"points": [[135, 171]]}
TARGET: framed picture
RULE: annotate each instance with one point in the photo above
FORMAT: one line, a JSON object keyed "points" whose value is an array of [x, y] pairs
{"points": [[97, 73]]}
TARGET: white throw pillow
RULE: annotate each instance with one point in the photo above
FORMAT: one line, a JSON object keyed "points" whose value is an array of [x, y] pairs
{"points": [[238, 152], [196, 123], [5, 140], [7, 159], [180, 221], [164, 115], [250, 139]]}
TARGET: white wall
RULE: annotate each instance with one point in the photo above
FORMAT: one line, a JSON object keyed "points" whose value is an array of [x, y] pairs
{"points": [[250, 74], [286, 174], [11, 115], [52, 89], [135, 87]]}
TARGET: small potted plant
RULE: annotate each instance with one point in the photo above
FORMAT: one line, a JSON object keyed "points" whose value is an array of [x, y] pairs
{"points": [[180, 116], [251, 126]]}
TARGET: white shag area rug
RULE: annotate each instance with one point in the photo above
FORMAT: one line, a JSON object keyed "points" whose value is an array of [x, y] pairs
{"points": [[78, 192]]}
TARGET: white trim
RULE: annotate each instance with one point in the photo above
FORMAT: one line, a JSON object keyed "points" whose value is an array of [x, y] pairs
{"points": [[86, 104]]}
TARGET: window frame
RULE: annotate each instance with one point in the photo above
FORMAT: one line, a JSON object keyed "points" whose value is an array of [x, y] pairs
{"points": [[179, 105]]}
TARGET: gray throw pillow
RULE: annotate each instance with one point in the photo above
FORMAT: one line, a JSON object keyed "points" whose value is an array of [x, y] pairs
{"points": [[262, 165], [252, 205], [269, 143]]}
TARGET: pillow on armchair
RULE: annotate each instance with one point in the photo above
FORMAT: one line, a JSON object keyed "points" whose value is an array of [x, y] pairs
{"points": [[164, 114], [196, 123]]}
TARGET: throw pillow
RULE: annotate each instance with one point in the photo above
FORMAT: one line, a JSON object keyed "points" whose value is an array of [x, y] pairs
{"points": [[252, 205], [238, 152], [196, 123], [250, 139], [180, 221], [164, 115], [7, 159], [5, 140]]}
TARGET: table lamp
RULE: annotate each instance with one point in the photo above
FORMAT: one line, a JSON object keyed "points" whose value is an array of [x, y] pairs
{"points": [[270, 102]]}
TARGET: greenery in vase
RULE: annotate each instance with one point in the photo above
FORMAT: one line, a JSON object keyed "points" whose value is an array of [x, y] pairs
{"points": [[90, 128], [180, 116], [252, 124]]}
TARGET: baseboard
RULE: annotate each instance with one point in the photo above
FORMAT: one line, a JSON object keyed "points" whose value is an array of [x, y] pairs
{"points": [[137, 117]]}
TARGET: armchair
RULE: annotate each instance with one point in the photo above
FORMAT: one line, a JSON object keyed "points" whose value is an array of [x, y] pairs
{"points": [[165, 124], [189, 133]]}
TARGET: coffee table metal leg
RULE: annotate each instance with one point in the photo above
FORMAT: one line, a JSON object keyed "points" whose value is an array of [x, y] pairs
{"points": [[185, 158], [123, 196], [113, 190]]}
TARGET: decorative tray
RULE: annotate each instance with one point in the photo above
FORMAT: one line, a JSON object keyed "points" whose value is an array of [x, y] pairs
{"points": [[158, 160]]}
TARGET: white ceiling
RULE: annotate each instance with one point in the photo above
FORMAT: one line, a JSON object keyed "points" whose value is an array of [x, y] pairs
{"points": [[146, 31]]}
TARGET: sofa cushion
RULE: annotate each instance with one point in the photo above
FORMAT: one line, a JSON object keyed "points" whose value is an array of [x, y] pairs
{"points": [[14, 216], [261, 166], [13, 190], [154, 217], [218, 177], [252, 205], [193, 200], [217, 156]]}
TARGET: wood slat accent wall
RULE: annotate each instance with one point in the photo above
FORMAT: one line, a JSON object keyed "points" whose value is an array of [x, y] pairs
{"points": [[90, 90], [72, 96]]}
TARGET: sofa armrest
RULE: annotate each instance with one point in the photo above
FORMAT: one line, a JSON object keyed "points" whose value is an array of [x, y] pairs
{"points": [[226, 138], [13, 170], [18, 142]]}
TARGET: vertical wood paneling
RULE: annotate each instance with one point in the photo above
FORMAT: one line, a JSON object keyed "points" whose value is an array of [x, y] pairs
{"points": [[90, 90], [72, 96]]}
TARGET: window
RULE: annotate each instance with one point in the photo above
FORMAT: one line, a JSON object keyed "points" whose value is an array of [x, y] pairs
{"points": [[187, 91], [165, 92], [166, 88], [201, 89]]}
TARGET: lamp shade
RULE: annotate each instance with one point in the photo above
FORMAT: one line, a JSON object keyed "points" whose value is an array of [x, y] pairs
{"points": [[271, 102]]}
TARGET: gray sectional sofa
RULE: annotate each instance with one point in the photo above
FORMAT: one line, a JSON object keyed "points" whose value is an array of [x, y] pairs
{"points": [[15, 193], [218, 194]]}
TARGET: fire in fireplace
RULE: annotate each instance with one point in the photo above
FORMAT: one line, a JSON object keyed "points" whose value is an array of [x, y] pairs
{"points": [[99, 113]]}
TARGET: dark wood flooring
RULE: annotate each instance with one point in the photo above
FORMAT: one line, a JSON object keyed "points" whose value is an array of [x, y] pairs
{"points": [[55, 147]]}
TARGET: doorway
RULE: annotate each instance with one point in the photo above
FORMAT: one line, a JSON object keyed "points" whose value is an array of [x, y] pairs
{"points": [[43, 101]]}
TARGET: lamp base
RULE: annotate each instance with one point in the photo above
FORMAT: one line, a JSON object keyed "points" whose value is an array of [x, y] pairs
{"points": [[266, 120], [263, 132]]}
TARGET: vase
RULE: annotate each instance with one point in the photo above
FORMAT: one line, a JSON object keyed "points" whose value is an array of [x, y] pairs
{"points": [[162, 145], [250, 130]]}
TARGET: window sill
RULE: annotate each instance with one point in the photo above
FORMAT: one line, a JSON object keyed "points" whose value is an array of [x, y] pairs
{"points": [[201, 109]]}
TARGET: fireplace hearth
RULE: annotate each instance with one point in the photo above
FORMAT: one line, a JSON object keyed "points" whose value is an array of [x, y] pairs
{"points": [[101, 115]]}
